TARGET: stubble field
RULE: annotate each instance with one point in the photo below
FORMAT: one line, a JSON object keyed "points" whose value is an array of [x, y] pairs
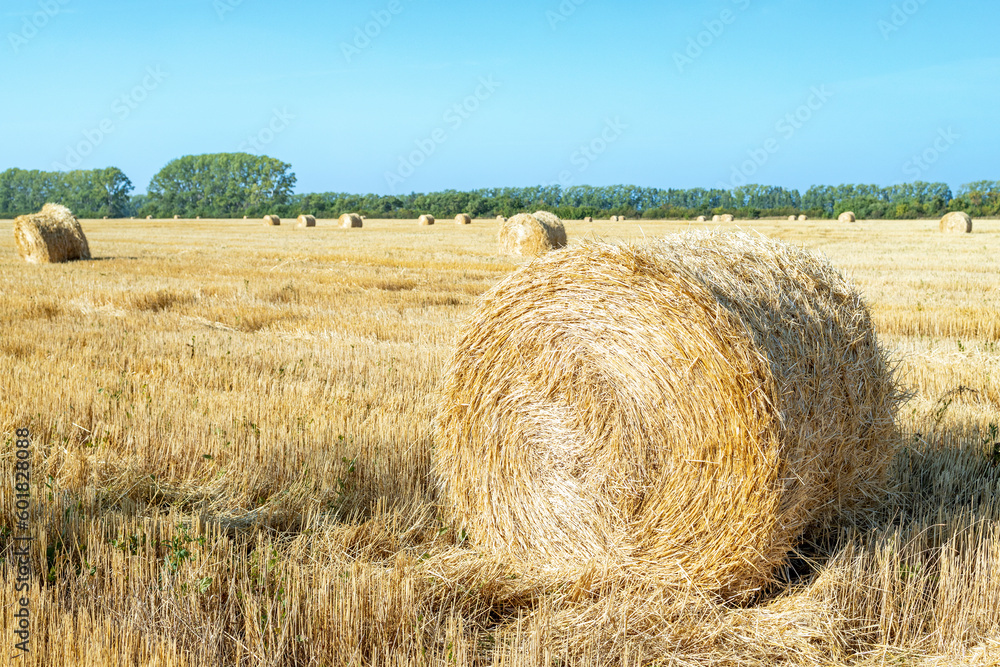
{"points": [[231, 437]]}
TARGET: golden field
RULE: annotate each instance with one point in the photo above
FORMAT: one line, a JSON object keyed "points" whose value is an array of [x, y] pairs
{"points": [[232, 428]]}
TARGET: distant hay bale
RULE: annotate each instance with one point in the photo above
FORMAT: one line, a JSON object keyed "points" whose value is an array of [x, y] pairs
{"points": [[956, 222], [425, 220], [351, 221], [803, 217], [716, 218], [463, 219], [622, 218], [727, 217], [197, 217], [614, 218], [792, 217], [272, 221], [177, 217], [50, 236], [700, 218], [588, 219], [500, 218], [686, 409], [847, 216], [105, 218], [149, 217], [528, 234], [305, 221]]}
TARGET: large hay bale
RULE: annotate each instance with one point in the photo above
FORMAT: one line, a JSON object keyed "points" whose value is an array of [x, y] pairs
{"points": [[463, 219], [803, 217], [588, 219], [305, 221], [272, 221], [52, 235], [425, 220], [686, 410], [727, 217], [614, 218], [531, 234], [351, 220], [847, 216], [716, 218], [956, 222], [700, 218], [793, 217]]}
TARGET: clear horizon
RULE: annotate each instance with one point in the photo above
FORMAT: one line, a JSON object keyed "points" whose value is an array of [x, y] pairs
{"points": [[395, 96]]}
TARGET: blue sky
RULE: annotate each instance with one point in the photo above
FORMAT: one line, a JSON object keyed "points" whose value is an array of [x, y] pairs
{"points": [[465, 95]]}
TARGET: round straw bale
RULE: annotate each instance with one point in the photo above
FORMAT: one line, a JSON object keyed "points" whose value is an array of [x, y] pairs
{"points": [[305, 220], [351, 220], [149, 217], [686, 409], [700, 218], [956, 222], [792, 217], [177, 217], [425, 220], [847, 216], [803, 217], [272, 221], [531, 234], [500, 218], [622, 218], [614, 218], [463, 219], [727, 217], [49, 236], [197, 217], [588, 219], [716, 218]]}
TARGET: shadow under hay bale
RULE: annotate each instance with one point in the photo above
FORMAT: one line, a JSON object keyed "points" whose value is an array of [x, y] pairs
{"points": [[686, 410], [531, 234], [50, 236]]}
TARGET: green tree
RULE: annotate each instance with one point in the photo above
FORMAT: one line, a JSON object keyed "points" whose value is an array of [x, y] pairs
{"points": [[221, 185]]}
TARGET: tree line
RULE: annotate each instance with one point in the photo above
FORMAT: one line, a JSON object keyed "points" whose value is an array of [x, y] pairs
{"points": [[229, 185]]}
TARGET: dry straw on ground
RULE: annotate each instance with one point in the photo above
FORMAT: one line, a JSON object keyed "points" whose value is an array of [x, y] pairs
{"points": [[803, 218], [531, 234], [956, 222], [463, 219], [685, 409], [727, 217], [847, 216], [272, 221], [305, 221], [351, 220], [425, 220], [49, 236]]}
